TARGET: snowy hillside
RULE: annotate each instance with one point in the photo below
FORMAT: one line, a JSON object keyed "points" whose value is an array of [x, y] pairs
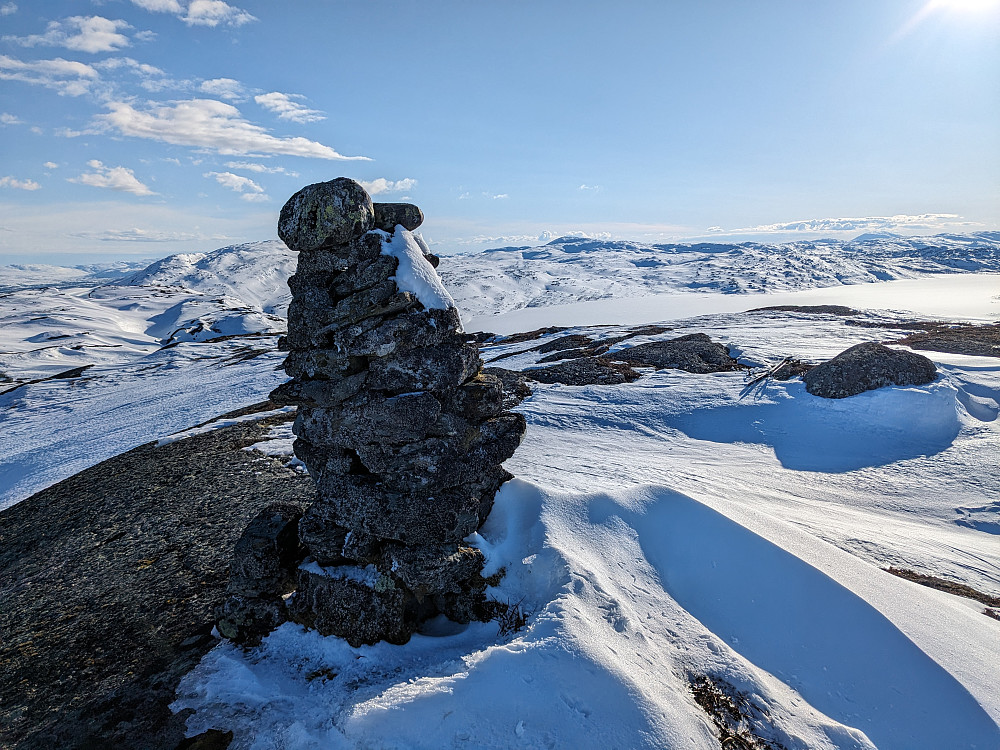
{"points": [[572, 269], [677, 528]]}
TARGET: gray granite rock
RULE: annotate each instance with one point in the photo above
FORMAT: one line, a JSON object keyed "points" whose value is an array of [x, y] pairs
{"points": [[326, 213], [388, 215], [865, 367]]}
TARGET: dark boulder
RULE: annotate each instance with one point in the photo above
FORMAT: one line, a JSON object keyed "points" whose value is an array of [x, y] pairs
{"points": [[389, 215], [865, 367]]}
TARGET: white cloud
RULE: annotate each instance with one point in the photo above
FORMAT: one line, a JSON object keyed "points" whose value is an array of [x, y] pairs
{"points": [[143, 235], [591, 188], [113, 178], [50, 165], [131, 65], [287, 109], [68, 77], [160, 6], [8, 119], [207, 123], [199, 12], [250, 190], [13, 182], [497, 197], [91, 34], [382, 185], [262, 169], [224, 88], [215, 12], [7, 8], [855, 224]]}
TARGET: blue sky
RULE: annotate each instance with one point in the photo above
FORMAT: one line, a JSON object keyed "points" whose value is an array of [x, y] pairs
{"points": [[140, 128]]}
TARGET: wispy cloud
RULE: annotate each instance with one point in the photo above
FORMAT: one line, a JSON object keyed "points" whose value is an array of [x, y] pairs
{"points": [[50, 165], [143, 235], [121, 179], [382, 185], [854, 224], [91, 34], [8, 119], [285, 106], [13, 182], [8, 8], [68, 77], [496, 196], [590, 188], [224, 88], [250, 190], [207, 123], [127, 63], [199, 12], [261, 168]]}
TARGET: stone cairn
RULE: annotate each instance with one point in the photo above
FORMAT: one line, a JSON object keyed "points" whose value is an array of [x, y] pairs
{"points": [[397, 424]]}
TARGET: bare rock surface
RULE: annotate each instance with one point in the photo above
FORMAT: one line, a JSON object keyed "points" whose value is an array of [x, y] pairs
{"points": [[865, 367], [695, 352], [109, 581]]}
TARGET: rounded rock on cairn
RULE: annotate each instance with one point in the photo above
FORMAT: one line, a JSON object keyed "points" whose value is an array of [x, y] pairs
{"points": [[325, 213], [402, 431]]}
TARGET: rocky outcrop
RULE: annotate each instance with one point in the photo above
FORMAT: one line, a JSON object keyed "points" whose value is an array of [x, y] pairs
{"points": [[400, 428], [865, 367], [695, 352]]}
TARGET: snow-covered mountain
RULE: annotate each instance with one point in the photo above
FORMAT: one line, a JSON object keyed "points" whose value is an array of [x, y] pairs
{"points": [[572, 269]]}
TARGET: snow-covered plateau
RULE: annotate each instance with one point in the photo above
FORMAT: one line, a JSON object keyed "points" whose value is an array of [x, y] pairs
{"points": [[658, 531]]}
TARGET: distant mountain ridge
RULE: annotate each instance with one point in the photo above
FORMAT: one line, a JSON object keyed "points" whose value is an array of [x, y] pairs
{"points": [[572, 269]]}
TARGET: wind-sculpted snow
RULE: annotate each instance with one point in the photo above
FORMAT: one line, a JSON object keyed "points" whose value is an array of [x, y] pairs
{"points": [[572, 269]]}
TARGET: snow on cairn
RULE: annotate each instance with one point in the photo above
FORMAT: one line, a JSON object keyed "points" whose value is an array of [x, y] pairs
{"points": [[415, 274]]}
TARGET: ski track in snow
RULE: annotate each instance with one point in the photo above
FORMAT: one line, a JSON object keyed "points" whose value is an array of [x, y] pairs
{"points": [[659, 529]]}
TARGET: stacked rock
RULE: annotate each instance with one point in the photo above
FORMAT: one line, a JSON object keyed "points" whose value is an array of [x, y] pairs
{"points": [[397, 424]]}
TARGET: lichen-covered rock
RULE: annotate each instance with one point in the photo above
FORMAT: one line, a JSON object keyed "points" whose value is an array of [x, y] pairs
{"points": [[515, 385], [247, 619], [267, 553], [326, 213], [433, 569], [695, 352], [366, 505], [427, 368], [361, 606], [865, 367], [368, 418], [584, 371], [389, 215]]}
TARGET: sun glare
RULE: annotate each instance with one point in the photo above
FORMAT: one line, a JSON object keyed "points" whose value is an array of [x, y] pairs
{"points": [[964, 6]]}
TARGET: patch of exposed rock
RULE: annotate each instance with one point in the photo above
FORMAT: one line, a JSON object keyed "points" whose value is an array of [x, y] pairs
{"points": [[400, 428], [866, 367], [695, 353], [108, 584], [584, 371]]}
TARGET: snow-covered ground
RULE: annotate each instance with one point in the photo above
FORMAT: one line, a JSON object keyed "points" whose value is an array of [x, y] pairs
{"points": [[671, 527], [572, 269]]}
